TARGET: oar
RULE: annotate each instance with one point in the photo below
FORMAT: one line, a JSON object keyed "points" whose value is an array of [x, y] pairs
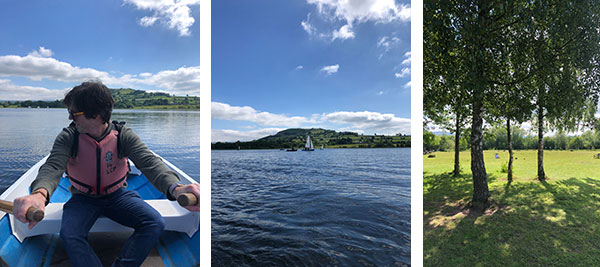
{"points": [[33, 214], [187, 199]]}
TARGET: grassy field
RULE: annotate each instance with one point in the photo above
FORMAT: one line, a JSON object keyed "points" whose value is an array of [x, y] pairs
{"points": [[529, 223]]}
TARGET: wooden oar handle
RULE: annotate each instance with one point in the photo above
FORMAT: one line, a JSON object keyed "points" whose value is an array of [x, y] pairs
{"points": [[33, 214], [187, 199]]}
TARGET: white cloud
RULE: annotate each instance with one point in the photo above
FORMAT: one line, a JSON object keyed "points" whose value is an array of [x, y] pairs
{"points": [[404, 72], [300, 67], [434, 128], [380, 93], [356, 12], [527, 126], [181, 81], [148, 21], [309, 28], [383, 42], [386, 44], [37, 68], [381, 11], [330, 69], [10, 91], [175, 14], [233, 135], [185, 80], [407, 60], [387, 124], [360, 122], [344, 33], [408, 84], [226, 112], [404, 13], [43, 52]]}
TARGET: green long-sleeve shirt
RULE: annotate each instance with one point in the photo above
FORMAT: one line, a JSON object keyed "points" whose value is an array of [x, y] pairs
{"points": [[157, 173]]}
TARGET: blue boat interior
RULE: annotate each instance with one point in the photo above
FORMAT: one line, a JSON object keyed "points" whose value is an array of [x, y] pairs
{"points": [[174, 248]]}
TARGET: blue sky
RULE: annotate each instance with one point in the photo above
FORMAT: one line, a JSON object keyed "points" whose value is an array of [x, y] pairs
{"points": [[341, 65], [47, 47]]}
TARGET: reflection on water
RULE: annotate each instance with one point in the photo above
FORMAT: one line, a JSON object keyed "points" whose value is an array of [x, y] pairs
{"points": [[27, 135], [340, 207]]}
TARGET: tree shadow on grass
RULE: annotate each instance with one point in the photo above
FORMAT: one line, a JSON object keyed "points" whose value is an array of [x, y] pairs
{"points": [[447, 198], [552, 223], [575, 195]]}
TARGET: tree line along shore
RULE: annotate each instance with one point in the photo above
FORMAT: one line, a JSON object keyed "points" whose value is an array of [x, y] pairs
{"points": [[296, 138], [125, 98], [495, 138]]}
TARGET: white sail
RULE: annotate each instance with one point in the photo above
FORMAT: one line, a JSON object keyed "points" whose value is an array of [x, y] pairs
{"points": [[309, 144]]}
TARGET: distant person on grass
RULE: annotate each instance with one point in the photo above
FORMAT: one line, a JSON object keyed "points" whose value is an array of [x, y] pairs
{"points": [[93, 151]]}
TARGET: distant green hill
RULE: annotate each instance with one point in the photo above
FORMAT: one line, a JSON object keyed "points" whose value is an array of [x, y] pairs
{"points": [[296, 138], [130, 98], [125, 98]]}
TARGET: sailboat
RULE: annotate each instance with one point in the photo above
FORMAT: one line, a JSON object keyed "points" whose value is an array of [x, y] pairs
{"points": [[309, 145], [322, 146]]}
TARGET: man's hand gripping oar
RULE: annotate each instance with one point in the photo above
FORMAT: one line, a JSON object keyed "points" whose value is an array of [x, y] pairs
{"points": [[28, 209], [187, 196]]}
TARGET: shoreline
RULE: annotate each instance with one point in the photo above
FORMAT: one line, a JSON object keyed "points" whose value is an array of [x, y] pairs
{"points": [[278, 149], [138, 108]]}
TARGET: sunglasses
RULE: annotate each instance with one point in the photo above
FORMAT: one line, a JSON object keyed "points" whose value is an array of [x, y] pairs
{"points": [[73, 114]]}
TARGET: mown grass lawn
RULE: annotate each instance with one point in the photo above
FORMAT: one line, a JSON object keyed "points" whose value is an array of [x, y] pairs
{"points": [[529, 223]]}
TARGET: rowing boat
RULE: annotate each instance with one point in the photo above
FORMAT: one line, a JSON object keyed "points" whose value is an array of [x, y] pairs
{"points": [[179, 244]]}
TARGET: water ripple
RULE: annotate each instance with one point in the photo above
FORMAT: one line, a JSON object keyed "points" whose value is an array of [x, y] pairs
{"points": [[329, 207]]}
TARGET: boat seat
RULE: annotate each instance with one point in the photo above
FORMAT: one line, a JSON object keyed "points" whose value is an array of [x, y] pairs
{"points": [[176, 219]]}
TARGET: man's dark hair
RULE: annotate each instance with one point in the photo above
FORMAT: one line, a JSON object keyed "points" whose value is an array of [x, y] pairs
{"points": [[91, 97]]}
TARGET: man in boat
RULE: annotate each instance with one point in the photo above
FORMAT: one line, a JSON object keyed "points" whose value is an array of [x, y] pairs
{"points": [[93, 151]]}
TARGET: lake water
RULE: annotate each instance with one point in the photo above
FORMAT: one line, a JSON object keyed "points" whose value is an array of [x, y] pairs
{"points": [[332, 207], [27, 135]]}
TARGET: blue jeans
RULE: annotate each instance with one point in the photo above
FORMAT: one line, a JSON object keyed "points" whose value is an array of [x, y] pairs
{"points": [[122, 206]]}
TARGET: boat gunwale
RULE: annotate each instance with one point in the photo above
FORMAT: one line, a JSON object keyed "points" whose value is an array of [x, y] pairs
{"points": [[18, 188]]}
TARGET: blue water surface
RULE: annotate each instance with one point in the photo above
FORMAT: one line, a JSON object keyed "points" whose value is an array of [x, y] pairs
{"points": [[27, 135], [332, 207]]}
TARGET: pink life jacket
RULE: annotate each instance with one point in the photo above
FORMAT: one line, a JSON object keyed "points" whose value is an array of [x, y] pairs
{"points": [[96, 168]]}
